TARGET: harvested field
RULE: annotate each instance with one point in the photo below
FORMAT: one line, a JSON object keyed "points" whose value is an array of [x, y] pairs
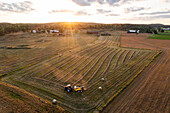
{"points": [[149, 92], [13, 99], [78, 61]]}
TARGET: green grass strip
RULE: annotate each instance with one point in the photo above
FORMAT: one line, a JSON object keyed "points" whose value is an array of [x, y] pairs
{"points": [[161, 36]]}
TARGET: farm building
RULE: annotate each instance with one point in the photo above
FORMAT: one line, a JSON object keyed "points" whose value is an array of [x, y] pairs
{"points": [[166, 29], [53, 31], [133, 31], [34, 31]]}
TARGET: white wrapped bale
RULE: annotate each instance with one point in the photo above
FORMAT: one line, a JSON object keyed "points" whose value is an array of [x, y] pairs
{"points": [[54, 101], [100, 88]]}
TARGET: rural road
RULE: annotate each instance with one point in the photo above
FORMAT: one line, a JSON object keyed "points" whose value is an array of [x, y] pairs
{"points": [[150, 91]]}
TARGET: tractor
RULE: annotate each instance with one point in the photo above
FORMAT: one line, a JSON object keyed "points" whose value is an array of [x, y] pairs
{"points": [[78, 88], [68, 88]]}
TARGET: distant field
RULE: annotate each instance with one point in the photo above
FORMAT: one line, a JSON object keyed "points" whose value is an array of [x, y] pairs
{"points": [[162, 36]]}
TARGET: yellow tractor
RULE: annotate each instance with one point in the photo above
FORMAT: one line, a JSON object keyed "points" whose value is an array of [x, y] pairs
{"points": [[78, 88]]}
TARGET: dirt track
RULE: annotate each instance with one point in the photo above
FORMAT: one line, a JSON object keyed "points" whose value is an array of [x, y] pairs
{"points": [[150, 91]]}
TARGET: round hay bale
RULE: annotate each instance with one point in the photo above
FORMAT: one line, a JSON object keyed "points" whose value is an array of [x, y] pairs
{"points": [[100, 88], [54, 101]]}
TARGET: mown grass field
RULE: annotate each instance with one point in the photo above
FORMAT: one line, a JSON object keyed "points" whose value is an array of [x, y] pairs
{"points": [[81, 59], [17, 100], [161, 36]]}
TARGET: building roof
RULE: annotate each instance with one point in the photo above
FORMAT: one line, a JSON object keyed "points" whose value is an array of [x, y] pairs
{"points": [[133, 31], [166, 28]]}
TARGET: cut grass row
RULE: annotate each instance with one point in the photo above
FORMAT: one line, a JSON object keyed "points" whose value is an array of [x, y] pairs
{"points": [[81, 69], [114, 86], [75, 60], [38, 66], [75, 68], [96, 74], [39, 55]]}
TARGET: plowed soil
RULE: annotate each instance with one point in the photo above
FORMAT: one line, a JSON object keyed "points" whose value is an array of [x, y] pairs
{"points": [[150, 91]]}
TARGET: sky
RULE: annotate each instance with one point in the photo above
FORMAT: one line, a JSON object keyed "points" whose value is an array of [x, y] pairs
{"points": [[98, 11]]}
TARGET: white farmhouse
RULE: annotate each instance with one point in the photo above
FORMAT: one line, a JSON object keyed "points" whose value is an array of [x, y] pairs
{"points": [[53, 31], [133, 31], [166, 29]]}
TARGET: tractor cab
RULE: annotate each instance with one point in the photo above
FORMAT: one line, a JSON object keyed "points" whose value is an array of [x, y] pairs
{"points": [[78, 88], [68, 88]]}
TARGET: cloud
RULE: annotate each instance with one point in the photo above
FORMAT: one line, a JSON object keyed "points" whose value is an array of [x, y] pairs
{"points": [[18, 7], [106, 12], [84, 2], [89, 2], [81, 13], [103, 11], [166, 1], [120, 2], [101, 1], [112, 15], [109, 2], [113, 2], [61, 11], [155, 17], [135, 9], [162, 16], [156, 13], [146, 18]]}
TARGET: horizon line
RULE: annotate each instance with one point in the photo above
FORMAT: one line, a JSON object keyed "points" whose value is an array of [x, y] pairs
{"points": [[75, 22]]}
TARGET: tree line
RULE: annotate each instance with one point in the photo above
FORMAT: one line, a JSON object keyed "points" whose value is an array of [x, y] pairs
{"points": [[6, 28]]}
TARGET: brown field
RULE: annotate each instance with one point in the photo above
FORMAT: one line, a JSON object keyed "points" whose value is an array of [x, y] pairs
{"points": [[15, 100], [43, 64], [149, 92]]}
